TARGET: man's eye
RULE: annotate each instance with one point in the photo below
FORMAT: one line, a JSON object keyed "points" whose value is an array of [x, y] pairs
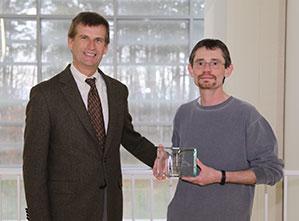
{"points": [[214, 63], [201, 63]]}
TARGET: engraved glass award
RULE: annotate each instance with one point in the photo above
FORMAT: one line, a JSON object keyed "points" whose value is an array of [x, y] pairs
{"points": [[181, 161]]}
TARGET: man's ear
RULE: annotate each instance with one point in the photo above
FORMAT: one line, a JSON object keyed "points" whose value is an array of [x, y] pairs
{"points": [[106, 49], [228, 71], [70, 43], [190, 69]]}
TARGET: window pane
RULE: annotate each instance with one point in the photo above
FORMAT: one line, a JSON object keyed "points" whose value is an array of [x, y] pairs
{"points": [[18, 7], [156, 133], [142, 203], [15, 84], [71, 7], [161, 196], [156, 91], [152, 42], [18, 40], [197, 32], [198, 8], [153, 7], [127, 195], [152, 59], [55, 53], [9, 193], [11, 152]]}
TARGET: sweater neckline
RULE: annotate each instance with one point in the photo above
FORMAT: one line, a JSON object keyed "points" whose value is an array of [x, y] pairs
{"points": [[214, 107]]}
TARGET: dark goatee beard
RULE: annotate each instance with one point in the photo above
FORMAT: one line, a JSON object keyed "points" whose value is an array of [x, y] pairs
{"points": [[205, 85]]}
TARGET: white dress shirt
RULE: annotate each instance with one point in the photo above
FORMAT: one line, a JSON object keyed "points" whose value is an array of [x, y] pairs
{"points": [[84, 89]]}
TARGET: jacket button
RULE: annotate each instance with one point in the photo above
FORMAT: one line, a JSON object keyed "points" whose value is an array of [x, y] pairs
{"points": [[103, 185]]}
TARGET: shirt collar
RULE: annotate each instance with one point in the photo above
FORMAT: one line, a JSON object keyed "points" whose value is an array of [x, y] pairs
{"points": [[81, 77]]}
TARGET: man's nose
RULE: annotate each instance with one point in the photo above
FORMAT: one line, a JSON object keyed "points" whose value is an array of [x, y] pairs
{"points": [[91, 44], [207, 66]]}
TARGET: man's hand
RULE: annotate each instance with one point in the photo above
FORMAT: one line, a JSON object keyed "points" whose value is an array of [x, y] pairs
{"points": [[160, 165], [207, 175]]}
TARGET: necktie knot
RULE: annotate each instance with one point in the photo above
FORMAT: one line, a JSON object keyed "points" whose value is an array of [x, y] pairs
{"points": [[91, 82]]}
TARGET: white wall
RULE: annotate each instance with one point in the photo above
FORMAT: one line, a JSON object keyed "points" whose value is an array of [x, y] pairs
{"points": [[254, 31], [292, 106], [292, 93]]}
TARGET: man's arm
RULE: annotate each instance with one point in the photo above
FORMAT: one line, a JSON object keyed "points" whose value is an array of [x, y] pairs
{"points": [[262, 152], [264, 165], [36, 144], [241, 177], [209, 175]]}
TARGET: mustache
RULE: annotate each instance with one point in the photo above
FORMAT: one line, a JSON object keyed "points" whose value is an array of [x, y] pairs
{"points": [[206, 75]]}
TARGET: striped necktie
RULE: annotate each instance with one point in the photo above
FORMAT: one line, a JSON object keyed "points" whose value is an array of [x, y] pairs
{"points": [[95, 111]]}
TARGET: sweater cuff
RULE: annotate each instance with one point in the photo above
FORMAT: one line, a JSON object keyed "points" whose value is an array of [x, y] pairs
{"points": [[260, 175]]}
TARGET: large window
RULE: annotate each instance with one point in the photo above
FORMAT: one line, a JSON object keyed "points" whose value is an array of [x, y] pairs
{"points": [[150, 44]]}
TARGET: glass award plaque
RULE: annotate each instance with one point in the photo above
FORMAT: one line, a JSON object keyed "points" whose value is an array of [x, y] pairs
{"points": [[181, 161]]}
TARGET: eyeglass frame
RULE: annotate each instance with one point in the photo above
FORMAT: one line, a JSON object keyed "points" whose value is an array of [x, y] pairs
{"points": [[202, 66]]}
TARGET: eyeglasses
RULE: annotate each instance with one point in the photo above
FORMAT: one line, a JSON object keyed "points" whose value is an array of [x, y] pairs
{"points": [[214, 64]]}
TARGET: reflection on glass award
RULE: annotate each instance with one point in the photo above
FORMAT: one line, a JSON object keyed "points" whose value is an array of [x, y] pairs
{"points": [[181, 161]]}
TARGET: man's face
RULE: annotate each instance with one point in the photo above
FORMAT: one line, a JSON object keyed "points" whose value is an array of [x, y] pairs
{"points": [[208, 69], [88, 47]]}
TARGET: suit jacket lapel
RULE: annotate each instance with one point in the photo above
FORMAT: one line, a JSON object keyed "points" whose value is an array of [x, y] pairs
{"points": [[113, 108], [71, 92]]}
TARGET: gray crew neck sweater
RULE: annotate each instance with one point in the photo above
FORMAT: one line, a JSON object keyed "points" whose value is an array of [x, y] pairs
{"points": [[229, 136]]}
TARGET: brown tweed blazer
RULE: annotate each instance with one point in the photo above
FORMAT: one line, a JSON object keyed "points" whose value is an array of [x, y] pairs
{"points": [[65, 172]]}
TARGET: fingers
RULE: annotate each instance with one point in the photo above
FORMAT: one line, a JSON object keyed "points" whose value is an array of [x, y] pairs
{"points": [[161, 153], [159, 150], [161, 177], [200, 164], [190, 179], [160, 165], [160, 146]]}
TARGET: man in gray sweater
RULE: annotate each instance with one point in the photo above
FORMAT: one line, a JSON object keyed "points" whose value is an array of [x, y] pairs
{"points": [[236, 147]]}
